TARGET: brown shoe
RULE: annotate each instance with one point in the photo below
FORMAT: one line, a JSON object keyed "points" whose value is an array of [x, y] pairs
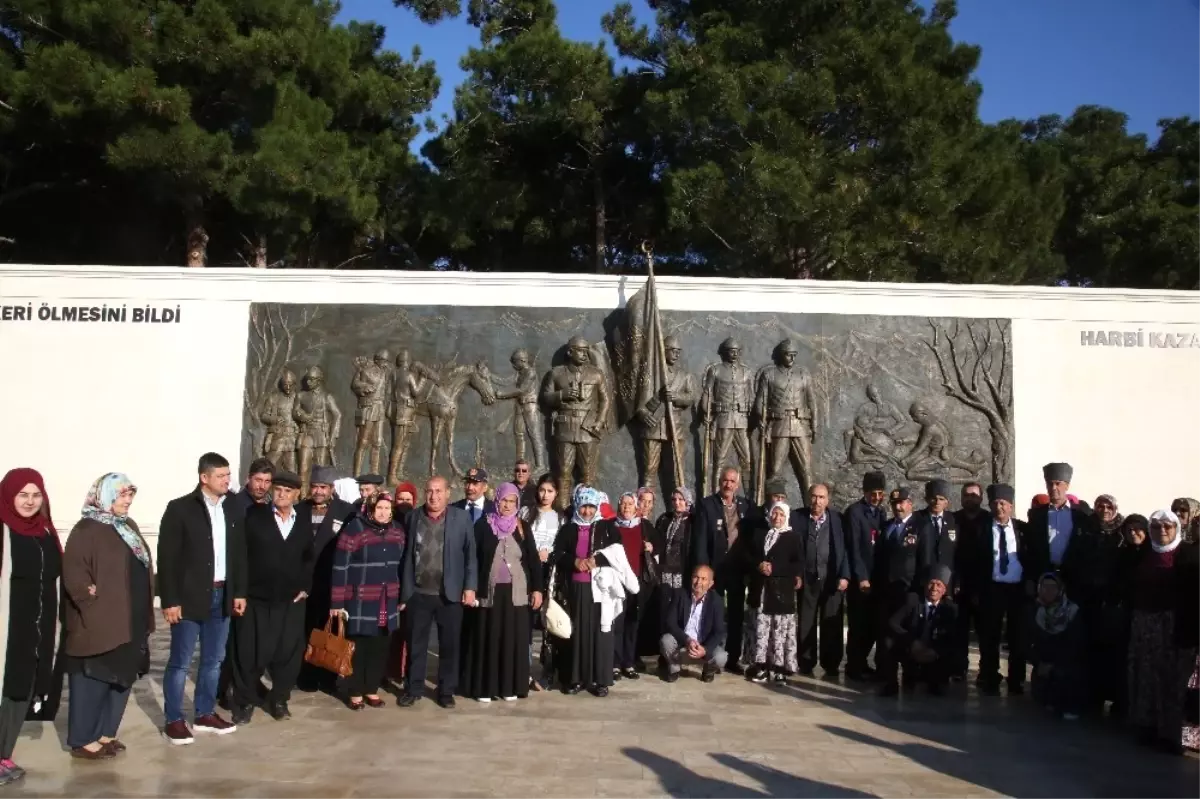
{"points": [[212, 723], [103, 753], [116, 746], [178, 734]]}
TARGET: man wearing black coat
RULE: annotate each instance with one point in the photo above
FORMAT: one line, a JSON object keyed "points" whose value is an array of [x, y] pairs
{"points": [[270, 636], [940, 528], [322, 515], [257, 490], [902, 552], [201, 584], [823, 584], [996, 579], [1053, 526], [475, 503], [969, 518], [722, 531], [863, 523], [921, 637], [694, 628]]}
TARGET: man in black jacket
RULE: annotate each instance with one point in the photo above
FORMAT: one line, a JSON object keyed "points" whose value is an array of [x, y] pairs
{"points": [[902, 552], [823, 584], [969, 518], [321, 516], [921, 637], [695, 628], [1053, 526], [270, 636], [202, 583], [996, 579], [475, 503], [257, 490], [863, 523], [722, 530], [940, 528]]}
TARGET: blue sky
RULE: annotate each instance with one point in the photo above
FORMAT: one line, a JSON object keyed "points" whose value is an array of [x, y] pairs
{"points": [[1039, 56]]}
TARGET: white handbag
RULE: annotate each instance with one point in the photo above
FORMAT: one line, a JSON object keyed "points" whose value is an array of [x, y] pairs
{"points": [[558, 621]]}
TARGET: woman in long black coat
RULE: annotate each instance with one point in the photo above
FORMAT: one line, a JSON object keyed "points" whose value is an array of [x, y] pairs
{"points": [[640, 541], [774, 562], [586, 660]]}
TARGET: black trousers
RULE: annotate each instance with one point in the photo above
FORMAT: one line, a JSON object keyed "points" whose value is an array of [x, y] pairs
{"points": [[269, 638], [860, 638], [819, 619], [968, 616], [887, 600], [1002, 606], [423, 611], [733, 590], [935, 674], [625, 634], [368, 663]]}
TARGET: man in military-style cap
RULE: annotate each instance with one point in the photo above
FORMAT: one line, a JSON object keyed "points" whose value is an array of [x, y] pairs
{"points": [[863, 523], [369, 485], [940, 526], [1052, 527], [921, 636], [476, 502]]}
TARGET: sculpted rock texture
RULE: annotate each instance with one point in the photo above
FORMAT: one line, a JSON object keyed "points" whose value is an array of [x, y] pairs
{"points": [[831, 396]]}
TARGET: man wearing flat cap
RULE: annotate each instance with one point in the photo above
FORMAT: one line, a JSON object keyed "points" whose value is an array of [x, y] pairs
{"points": [[1052, 527], [921, 636], [996, 567], [475, 486], [270, 635], [903, 552], [369, 485], [863, 523], [321, 516], [940, 527]]}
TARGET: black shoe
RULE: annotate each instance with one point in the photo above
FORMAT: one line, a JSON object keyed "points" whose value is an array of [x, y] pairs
{"points": [[757, 675], [735, 668], [779, 677], [937, 689], [278, 711], [1016, 689], [806, 671], [571, 690], [889, 689], [241, 715], [617, 675], [989, 689], [670, 676], [408, 700], [708, 675], [630, 674], [447, 702], [599, 691]]}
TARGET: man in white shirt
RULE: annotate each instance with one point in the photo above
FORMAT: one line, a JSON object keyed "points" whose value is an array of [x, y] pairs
{"points": [[476, 503], [695, 628], [998, 569]]}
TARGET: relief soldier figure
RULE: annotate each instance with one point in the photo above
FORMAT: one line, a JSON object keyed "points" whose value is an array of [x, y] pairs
{"points": [[320, 424], [933, 453], [725, 404], [786, 409], [527, 418], [577, 394], [370, 385], [279, 444], [878, 425], [408, 381], [680, 391]]}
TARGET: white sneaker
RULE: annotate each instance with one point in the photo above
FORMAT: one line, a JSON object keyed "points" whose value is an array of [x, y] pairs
{"points": [[483, 700], [510, 699]]}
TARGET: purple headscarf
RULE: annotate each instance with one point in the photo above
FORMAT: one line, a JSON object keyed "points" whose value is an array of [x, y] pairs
{"points": [[504, 525]]}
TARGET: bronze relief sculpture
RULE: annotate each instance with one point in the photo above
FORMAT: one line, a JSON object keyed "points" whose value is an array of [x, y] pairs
{"points": [[276, 414], [725, 405], [681, 393], [527, 417], [320, 422], [786, 409], [370, 386], [578, 398]]}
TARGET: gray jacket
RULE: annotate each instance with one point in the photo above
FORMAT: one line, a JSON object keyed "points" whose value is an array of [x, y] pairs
{"points": [[460, 570]]}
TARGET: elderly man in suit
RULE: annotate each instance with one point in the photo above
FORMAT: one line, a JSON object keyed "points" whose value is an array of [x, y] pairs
{"points": [[722, 521], [694, 628], [823, 585], [321, 516], [475, 503], [438, 577]]}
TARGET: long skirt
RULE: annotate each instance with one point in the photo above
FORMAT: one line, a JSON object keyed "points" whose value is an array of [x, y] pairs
{"points": [[1191, 732], [586, 659], [769, 640], [495, 654], [1156, 688]]}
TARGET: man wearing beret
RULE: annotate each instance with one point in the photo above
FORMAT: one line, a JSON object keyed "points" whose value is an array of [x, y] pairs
{"points": [[903, 552], [994, 575], [1052, 526], [369, 485], [941, 528], [863, 523], [921, 636], [270, 635]]}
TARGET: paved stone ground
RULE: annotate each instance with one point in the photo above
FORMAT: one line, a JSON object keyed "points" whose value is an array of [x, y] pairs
{"points": [[728, 739]]}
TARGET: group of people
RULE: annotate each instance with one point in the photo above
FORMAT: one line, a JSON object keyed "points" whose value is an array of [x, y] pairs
{"points": [[760, 591]]}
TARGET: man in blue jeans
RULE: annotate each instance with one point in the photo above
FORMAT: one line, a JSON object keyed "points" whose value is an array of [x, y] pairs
{"points": [[202, 582]]}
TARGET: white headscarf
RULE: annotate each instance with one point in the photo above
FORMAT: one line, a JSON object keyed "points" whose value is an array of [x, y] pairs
{"points": [[1166, 517], [773, 533]]}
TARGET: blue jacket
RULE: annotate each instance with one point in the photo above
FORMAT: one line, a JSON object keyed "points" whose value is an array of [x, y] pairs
{"points": [[460, 567]]}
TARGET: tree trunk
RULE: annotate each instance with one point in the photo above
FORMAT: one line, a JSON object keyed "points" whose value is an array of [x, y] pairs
{"points": [[601, 216], [260, 252], [197, 238]]}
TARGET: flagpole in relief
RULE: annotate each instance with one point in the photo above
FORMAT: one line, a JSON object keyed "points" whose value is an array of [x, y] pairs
{"points": [[652, 292]]}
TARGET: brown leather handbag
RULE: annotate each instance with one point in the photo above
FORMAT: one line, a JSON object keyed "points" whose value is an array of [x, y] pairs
{"points": [[329, 650]]}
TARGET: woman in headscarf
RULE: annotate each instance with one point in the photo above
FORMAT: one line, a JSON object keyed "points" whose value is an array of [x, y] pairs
{"points": [[543, 521], [674, 531], [1187, 635], [406, 497], [30, 568], [1188, 511], [1092, 568], [1058, 650], [645, 503], [638, 540], [1156, 685], [495, 635], [775, 563], [586, 660], [1134, 530], [109, 581], [366, 593]]}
